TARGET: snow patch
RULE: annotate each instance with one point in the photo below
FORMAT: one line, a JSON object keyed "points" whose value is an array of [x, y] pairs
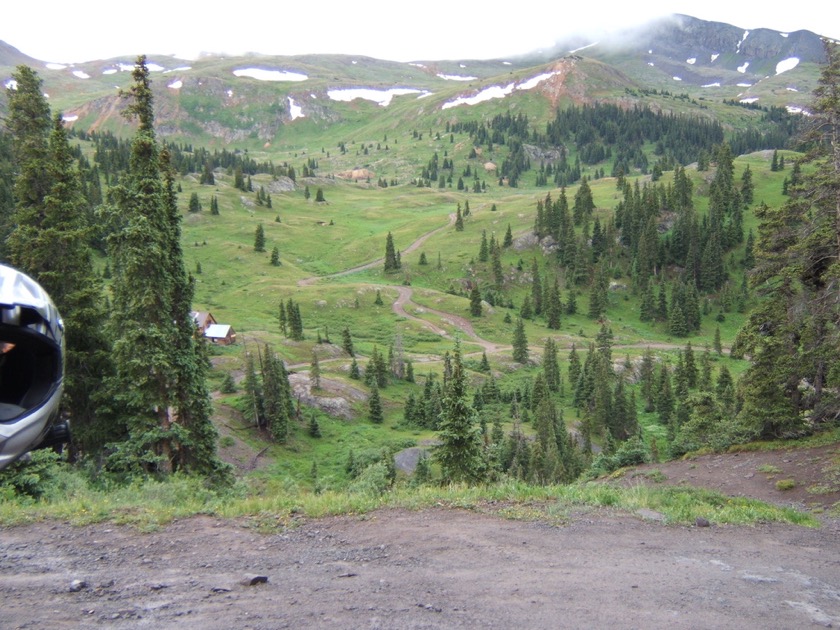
{"points": [[785, 35], [110, 71], [710, 85], [751, 99], [417, 65], [230, 93], [792, 89], [295, 111], [534, 81], [787, 64], [176, 85], [455, 77], [69, 118], [691, 61], [354, 62], [507, 63], [745, 85], [676, 78], [650, 63], [462, 65], [55, 66], [382, 97], [81, 74], [180, 69], [793, 109], [262, 74], [715, 56], [11, 84], [743, 38], [486, 94], [497, 91], [743, 68], [153, 67]]}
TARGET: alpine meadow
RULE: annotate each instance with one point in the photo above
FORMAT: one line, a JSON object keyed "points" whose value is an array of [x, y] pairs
{"points": [[327, 284]]}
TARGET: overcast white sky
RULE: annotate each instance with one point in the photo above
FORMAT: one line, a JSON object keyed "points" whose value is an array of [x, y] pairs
{"points": [[73, 31]]}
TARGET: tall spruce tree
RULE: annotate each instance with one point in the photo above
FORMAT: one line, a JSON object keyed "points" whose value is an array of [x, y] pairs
{"points": [[391, 262], [51, 242], [793, 335], [160, 377], [460, 453]]}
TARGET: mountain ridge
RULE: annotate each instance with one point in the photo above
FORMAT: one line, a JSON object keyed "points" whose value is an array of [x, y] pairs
{"points": [[261, 97]]}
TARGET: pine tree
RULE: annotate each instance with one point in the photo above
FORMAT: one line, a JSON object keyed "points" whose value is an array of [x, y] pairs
{"points": [[160, 382], [375, 405], [520, 343], [508, 239], [259, 238], [195, 204], [460, 451], [275, 256], [315, 371], [50, 242], [475, 301], [792, 335], [391, 263], [483, 251], [551, 367], [347, 342]]}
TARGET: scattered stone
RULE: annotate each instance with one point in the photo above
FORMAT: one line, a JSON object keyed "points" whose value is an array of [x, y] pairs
{"points": [[651, 515], [347, 575], [252, 580], [220, 589], [701, 522], [77, 585]]}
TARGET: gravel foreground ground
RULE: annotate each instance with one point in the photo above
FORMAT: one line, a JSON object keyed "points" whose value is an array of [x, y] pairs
{"points": [[429, 569]]}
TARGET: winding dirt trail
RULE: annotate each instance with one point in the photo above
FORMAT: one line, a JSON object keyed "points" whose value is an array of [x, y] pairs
{"points": [[462, 323]]}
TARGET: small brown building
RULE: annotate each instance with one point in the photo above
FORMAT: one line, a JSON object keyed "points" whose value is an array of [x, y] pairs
{"points": [[222, 334]]}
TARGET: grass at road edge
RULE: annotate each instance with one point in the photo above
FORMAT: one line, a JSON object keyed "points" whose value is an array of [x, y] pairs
{"points": [[151, 504]]}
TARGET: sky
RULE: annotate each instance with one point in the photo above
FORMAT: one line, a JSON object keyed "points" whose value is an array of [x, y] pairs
{"points": [[73, 31]]}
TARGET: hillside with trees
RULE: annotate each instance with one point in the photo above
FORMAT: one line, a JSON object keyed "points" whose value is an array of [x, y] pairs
{"points": [[512, 292]]}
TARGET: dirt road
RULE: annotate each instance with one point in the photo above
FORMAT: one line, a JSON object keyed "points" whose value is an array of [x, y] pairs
{"points": [[432, 569]]}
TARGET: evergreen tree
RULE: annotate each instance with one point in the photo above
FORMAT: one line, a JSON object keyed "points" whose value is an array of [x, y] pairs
{"points": [[391, 263], [508, 239], [259, 238], [520, 343], [483, 251], [554, 308], [319, 196], [195, 204], [160, 382], [347, 342], [276, 396], [375, 405], [551, 367], [792, 335], [50, 241], [460, 451], [475, 301], [459, 220], [275, 257]]}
